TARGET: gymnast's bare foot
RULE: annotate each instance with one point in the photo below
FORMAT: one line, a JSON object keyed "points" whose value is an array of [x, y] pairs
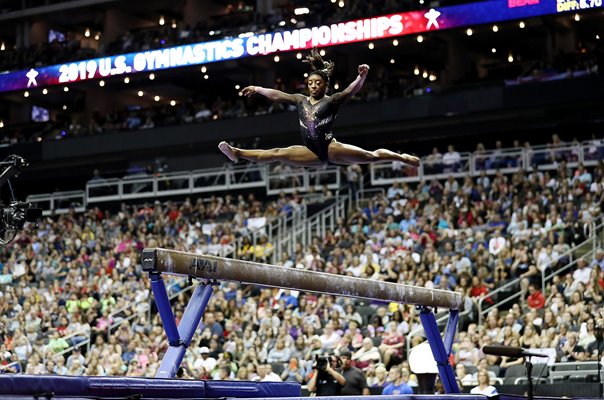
{"points": [[228, 151], [411, 160]]}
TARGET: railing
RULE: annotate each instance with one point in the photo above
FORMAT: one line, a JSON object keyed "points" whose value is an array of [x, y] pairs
{"points": [[11, 365], [59, 202], [276, 232], [188, 182], [508, 160], [176, 183], [301, 180], [586, 249]]}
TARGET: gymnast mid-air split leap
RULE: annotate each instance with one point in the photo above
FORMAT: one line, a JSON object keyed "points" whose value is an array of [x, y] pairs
{"points": [[316, 114]]}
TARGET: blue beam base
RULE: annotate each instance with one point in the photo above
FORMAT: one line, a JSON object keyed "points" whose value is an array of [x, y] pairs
{"points": [[186, 329]]}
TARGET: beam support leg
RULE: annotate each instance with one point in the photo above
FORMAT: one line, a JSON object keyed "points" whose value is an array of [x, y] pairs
{"points": [[179, 337], [441, 350]]}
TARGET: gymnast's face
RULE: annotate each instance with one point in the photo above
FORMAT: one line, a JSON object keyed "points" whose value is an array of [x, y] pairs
{"points": [[316, 86]]}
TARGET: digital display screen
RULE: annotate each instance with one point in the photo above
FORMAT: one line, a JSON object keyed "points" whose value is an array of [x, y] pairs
{"points": [[55, 36], [39, 114], [386, 26]]}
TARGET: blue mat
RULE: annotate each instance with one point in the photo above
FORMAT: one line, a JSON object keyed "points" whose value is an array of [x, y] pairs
{"points": [[105, 386]]}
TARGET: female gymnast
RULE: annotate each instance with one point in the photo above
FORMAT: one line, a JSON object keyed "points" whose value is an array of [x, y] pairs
{"points": [[316, 114]]}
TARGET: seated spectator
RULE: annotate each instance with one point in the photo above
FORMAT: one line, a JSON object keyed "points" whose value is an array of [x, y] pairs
{"points": [[571, 350], [293, 372], [392, 343], [467, 353], [367, 354], [397, 384], [376, 376], [535, 299], [462, 375], [451, 160], [279, 353], [484, 386], [434, 162]]}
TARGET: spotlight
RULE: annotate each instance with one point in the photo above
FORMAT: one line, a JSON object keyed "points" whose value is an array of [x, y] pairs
{"points": [[493, 50], [395, 42], [392, 61], [420, 39], [341, 4], [597, 37], [162, 21], [371, 46], [469, 32], [425, 75], [2, 47], [151, 76], [1, 124], [126, 80], [102, 83], [140, 93], [277, 58], [237, 87], [172, 103], [301, 11], [299, 56], [97, 36], [206, 76], [44, 91], [322, 53], [174, 24], [432, 77], [577, 17], [204, 70], [66, 89], [26, 94], [156, 98], [511, 58], [64, 107], [495, 28], [416, 70], [522, 25], [306, 74], [336, 86], [87, 32]]}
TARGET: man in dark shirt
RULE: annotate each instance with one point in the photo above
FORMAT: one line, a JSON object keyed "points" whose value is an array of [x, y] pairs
{"points": [[356, 383], [326, 379]]}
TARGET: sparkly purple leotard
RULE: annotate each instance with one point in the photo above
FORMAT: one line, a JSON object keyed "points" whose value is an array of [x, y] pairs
{"points": [[315, 124]]}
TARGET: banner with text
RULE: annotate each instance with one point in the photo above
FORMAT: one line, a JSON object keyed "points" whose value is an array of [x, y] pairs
{"points": [[387, 26]]}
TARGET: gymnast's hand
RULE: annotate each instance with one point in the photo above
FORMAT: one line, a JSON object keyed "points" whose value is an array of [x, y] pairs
{"points": [[248, 91], [363, 70]]}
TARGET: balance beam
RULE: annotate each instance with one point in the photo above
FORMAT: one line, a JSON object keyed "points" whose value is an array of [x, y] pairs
{"points": [[172, 262]]}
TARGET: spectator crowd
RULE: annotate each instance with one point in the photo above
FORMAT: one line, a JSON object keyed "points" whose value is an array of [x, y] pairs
{"points": [[78, 278]]}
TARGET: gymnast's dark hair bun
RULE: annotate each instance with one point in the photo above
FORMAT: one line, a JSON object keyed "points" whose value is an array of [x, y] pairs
{"points": [[318, 65]]}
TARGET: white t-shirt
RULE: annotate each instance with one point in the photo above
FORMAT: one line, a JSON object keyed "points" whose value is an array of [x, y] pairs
{"points": [[582, 275], [488, 391], [208, 364]]}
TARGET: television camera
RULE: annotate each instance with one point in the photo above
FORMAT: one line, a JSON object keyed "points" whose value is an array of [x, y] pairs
{"points": [[14, 215]]}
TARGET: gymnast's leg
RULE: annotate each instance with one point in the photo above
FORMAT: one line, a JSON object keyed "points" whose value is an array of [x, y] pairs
{"points": [[341, 153], [297, 156]]}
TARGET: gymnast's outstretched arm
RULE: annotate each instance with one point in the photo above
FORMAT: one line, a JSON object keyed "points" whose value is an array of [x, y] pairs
{"points": [[354, 87], [271, 94]]}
